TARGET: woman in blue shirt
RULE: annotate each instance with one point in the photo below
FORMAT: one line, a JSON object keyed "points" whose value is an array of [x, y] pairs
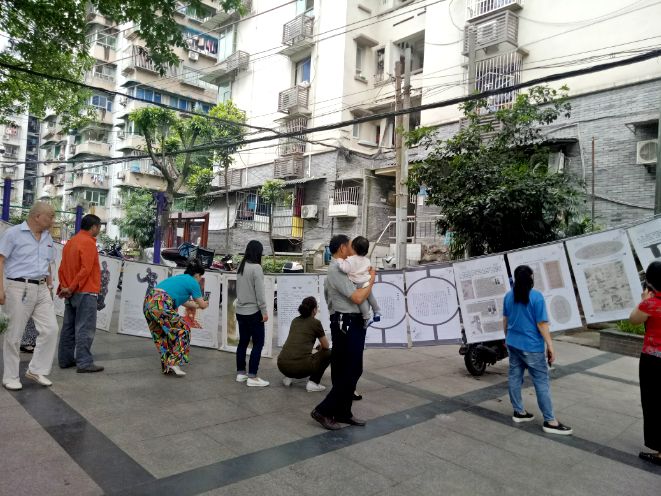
{"points": [[170, 332], [526, 326]]}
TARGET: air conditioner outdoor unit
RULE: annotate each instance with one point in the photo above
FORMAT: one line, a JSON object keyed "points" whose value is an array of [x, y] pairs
{"points": [[309, 211], [121, 135], [121, 175], [646, 152], [124, 101], [487, 33], [192, 55], [116, 202]]}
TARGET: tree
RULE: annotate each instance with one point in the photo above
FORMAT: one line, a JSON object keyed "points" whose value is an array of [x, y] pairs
{"points": [[496, 193], [165, 132], [138, 222], [273, 193], [50, 37]]}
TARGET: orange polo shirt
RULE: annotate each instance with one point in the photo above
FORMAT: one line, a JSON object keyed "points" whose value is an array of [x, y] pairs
{"points": [[80, 270]]}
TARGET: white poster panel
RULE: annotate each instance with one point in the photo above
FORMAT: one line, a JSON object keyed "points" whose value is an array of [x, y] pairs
{"points": [[138, 279], [433, 307], [230, 326], [646, 240], [481, 286], [58, 303], [204, 324], [606, 275], [292, 289], [553, 280], [110, 271], [392, 329]]}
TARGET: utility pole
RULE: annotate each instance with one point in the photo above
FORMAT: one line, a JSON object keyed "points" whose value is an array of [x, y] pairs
{"points": [[403, 101], [593, 174], [657, 190]]}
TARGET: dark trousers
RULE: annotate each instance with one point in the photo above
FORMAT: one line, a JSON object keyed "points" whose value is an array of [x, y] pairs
{"points": [[649, 374], [346, 365], [78, 329], [313, 366], [251, 327]]}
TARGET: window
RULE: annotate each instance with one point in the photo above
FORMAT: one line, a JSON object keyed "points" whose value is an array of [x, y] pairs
{"points": [[360, 60], [102, 102], [226, 43], [200, 42], [180, 103], [224, 91], [303, 71], [95, 197], [356, 131], [417, 45], [380, 64], [303, 6], [149, 95], [105, 71]]}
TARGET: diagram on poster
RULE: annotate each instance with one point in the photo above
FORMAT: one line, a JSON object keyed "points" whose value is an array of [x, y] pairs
{"points": [[433, 308], [229, 324], [292, 289], [137, 280], [482, 284], [204, 324], [553, 280], [58, 303], [392, 329], [110, 270], [606, 275], [646, 240]]}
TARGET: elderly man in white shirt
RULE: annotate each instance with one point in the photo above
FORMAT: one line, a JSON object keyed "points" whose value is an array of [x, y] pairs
{"points": [[26, 254]]}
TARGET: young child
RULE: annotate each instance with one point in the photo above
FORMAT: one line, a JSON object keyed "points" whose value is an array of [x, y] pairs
{"points": [[357, 267]]}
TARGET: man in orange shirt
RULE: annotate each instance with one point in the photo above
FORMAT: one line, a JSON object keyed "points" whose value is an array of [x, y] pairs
{"points": [[80, 283]]}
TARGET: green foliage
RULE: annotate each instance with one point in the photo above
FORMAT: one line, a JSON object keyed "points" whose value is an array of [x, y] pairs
{"points": [[17, 216], [270, 265], [497, 194], [139, 220], [51, 37], [199, 180], [273, 191], [629, 328]]}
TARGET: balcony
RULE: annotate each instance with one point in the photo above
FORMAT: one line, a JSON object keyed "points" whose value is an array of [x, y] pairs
{"points": [[290, 167], [127, 106], [285, 224], [103, 116], [130, 141], [194, 79], [9, 171], [140, 174], [105, 81], [12, 134], [103, 52], [495, 73], [11, 153], [234, 179], [476, 9], [48, 129], [100, 211], [294, 100], [489, 34], [345, 202], [292, 145], [94, 17], [91, 148], [48, 191], [297, 35], [137, 58], [91, 181], [220, 17], [228, 68]]}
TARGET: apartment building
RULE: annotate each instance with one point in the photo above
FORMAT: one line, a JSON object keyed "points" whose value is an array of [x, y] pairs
{"points": [[311, 63], [123, 65]]}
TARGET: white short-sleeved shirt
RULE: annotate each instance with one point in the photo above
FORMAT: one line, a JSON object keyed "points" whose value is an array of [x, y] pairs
{"points": [[24, 255]]}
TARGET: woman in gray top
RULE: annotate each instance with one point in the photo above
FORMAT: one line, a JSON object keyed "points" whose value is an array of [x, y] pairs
{"points": [[251, 314]]}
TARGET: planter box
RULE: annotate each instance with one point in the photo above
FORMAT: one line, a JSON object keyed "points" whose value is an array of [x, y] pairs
{"points": [[620, 342]]}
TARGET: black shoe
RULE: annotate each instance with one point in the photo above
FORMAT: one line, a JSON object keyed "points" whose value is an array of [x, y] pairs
{"points": [[357, 397], [353, 421], [522, 417], [92, 368], [326, 422], [68, 366], [650, 457], [563, 430], [27, 349]]}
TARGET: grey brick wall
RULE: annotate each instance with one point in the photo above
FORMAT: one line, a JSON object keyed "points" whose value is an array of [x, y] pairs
{"points": [[619, 342]]}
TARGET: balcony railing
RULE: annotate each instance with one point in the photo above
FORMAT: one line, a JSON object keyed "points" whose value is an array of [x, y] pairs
{"points": [[290, 167], [499, 72], [504, 28], [294, 100], [138, 58], [344, 202], [297, 34], [478, 8], [292, 145]]}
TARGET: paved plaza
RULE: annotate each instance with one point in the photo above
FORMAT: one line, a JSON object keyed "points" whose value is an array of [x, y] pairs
{"points": [[433, 429]]}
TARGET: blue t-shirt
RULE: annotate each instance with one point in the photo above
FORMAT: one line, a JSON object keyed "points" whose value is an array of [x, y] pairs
{"points": [[181, 288], [522, 320]]}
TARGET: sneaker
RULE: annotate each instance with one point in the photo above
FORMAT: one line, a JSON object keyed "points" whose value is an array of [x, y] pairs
{"points": [[377, 317], [522, 417], [13, 385], [91, 369], [39, 379], [287, 381], [313, 387], [241, 377], [176, 370], [256, 382], [563, 430]]}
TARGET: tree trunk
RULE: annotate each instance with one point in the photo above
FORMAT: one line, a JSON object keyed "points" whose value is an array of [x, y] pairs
{"points": [[271, 233]]}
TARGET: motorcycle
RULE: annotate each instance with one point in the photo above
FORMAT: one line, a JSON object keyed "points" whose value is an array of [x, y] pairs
{"points": [[226, 263], [478, 355]]}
